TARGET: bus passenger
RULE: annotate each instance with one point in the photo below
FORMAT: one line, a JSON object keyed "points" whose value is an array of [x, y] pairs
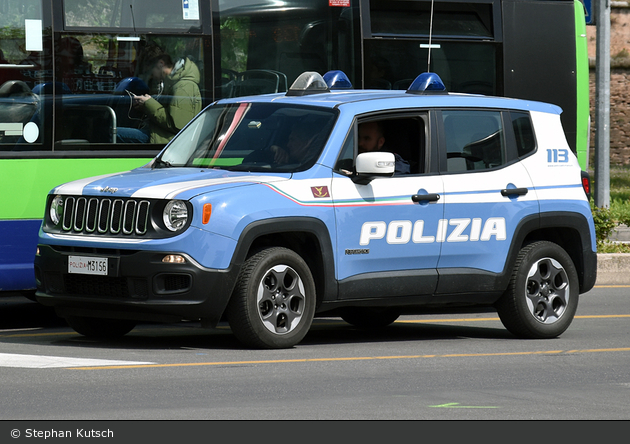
{"points": [[72, 64], [178, 100]]}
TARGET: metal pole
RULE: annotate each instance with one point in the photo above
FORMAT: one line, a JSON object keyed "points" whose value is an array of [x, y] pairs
{"points": [[602, 104]]}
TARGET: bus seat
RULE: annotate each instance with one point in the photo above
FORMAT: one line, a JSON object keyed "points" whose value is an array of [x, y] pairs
{"points": [[17, 102], [87, 124], [259, 81]]}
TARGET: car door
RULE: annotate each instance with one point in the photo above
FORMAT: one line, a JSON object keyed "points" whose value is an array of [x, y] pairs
{"points": [[386, 228], [487, 192]]}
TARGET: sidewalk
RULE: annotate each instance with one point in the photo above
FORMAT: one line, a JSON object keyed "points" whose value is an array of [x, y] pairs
{"points": [[614, 268]]}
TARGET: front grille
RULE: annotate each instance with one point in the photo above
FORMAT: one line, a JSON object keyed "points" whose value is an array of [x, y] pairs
{"points": [[102, 215]]}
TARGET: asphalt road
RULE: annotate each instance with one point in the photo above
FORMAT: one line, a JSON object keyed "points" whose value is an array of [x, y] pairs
{"points": [[446, 367]]}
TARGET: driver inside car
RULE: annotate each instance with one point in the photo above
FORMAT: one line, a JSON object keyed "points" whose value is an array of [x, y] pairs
{"points": [[298, 149]]}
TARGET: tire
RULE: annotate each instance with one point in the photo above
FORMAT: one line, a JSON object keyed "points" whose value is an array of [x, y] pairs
{"points": [[100, 328], [542, 297], [369, 318], [273, 303]]}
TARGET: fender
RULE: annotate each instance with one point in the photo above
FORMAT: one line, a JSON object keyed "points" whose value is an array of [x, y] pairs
{"points": [[278, 226], [587, 268], [585, 260]]}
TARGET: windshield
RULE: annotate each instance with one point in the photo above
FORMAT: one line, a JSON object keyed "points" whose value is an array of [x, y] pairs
{"points": [[266, 137]]}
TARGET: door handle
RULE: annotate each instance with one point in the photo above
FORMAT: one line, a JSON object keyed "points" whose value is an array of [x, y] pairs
{"points": [[513, 192], [433, 197]]}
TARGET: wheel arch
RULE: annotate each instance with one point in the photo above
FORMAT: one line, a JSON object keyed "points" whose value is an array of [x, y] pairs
{"points": [[308, 237], [570, 231]]}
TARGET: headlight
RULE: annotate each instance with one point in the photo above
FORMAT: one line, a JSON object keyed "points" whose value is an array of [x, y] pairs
{"points": [[56, 210], [175, 215]]}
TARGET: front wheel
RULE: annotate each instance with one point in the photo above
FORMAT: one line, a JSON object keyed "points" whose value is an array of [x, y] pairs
{"points": [[542, 297], [273, 303]]}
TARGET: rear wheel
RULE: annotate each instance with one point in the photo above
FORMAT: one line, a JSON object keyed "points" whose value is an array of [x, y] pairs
{"points": [[273, 303], [100, 328], [369, 317], [543, 294]]}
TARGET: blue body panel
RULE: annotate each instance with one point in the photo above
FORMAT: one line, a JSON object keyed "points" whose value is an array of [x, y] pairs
{"points": [[18, 243]]}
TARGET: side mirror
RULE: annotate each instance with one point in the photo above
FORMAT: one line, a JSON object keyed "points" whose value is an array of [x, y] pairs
{"points": [[372, 165]]}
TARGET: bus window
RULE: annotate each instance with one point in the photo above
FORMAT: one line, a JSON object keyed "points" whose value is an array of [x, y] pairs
{"points": [[135, 15], [24, 59], [467, 67], [405, 18], [464, 45], [108, 80], [266, 45]]}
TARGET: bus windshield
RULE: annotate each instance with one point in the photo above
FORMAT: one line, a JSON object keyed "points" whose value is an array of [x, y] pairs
{"points": [[261, 137]]}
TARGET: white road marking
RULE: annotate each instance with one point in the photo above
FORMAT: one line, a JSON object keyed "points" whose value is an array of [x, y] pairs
{"points": [[37, 361]]}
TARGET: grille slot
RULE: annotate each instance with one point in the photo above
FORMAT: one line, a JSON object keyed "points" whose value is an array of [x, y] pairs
{"points": [[105, 286], [106, 216]]}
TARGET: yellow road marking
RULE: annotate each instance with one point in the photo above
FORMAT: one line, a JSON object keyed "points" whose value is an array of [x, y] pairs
{"points": [[348, 359], [438, 320]]}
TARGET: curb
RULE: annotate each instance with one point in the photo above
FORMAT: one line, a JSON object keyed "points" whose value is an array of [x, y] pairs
{"points": [[613, 269]]}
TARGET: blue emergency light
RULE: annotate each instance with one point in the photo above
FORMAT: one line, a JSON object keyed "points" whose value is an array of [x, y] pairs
{"points": [[427, 83], [337, 80]]}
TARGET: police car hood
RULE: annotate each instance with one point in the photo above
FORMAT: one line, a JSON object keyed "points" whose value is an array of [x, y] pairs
{"points": [[164, 183]]}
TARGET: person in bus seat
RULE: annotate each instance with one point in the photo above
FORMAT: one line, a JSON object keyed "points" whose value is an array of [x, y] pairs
{"points": [[371, 138], [72, 64], [177, 101]]}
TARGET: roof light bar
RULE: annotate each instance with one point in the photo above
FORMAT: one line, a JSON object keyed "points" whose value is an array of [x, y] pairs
{"points": [[337, 80], [427, 83], [309, 82]]}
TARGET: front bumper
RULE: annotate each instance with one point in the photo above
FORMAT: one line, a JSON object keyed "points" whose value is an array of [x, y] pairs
{"points": [[138, 286]]}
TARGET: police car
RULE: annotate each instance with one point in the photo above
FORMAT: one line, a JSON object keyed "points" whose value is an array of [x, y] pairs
{"points": [[268, 211]]}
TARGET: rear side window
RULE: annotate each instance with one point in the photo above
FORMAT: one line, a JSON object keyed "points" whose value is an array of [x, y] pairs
{"points": [[523, 132], [474, 140]]}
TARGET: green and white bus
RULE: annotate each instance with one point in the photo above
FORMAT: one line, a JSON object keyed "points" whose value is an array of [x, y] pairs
{"points": [[69, 70]]}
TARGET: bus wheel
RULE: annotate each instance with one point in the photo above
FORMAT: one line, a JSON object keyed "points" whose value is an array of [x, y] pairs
{"points": [[369, 317], [273, 303], [100, 328], [542, 297]]}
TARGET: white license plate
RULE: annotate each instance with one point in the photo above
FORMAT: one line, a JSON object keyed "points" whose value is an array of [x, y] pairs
{"points": [[87, 265]]}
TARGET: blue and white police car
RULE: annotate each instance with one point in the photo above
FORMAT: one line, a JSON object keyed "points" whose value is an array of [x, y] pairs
{"points": [[268, 211]]}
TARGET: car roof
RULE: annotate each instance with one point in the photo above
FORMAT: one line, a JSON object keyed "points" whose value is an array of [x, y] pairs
{"points": [[366, 100]]}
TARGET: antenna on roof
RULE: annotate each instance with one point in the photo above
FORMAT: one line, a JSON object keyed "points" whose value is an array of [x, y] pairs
{"points": [[430, 35], [133, 19]]}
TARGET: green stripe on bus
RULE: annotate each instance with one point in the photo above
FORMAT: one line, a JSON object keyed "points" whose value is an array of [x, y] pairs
{"points": [[25, 199], [582, 81]]}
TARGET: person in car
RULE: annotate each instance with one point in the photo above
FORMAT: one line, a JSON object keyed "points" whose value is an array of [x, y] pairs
{"points": [[371, 139]]}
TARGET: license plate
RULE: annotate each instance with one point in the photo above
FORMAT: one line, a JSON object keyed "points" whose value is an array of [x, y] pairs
{"points": [[87, 265]]}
